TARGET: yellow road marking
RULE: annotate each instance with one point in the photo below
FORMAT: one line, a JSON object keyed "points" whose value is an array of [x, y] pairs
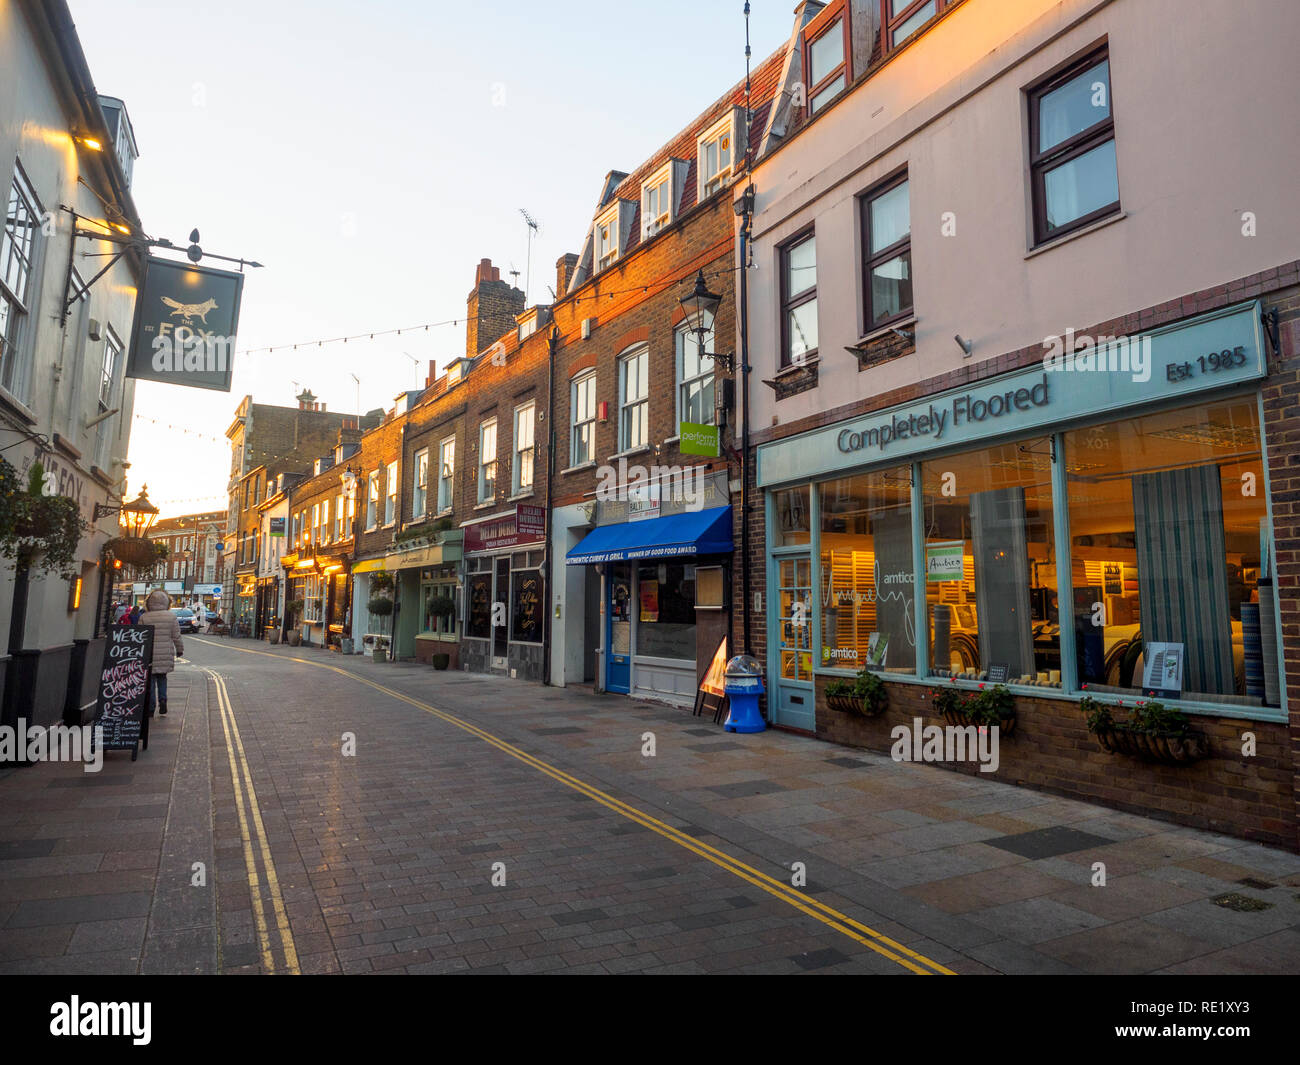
{"points": [[827, 915], [235, 743]]}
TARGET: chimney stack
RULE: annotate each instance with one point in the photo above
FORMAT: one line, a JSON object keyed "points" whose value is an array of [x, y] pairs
{"points": [[491, 308], [306, 400], [564, 267]]}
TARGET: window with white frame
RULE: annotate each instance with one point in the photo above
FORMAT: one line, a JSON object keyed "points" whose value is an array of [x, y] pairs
{"points": [[487, 461], [338, 516], [715, 156], [352, 515], [315, 523], [582, 419], [634, 399], [325, 521], [607, 239], [372, 500], [108, 369], [694, 377], [18, 247], [521, 475], [446, 473], [420, 495], [657, 202], [390, 495], [311, 598]]}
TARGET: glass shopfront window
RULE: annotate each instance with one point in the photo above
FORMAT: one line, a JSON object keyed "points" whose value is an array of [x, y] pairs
{"points": [[438, 601], [990, 563], [866, 573], [793, 516], [526, 600], [478, 606], [666, 610], [1167, 518]]}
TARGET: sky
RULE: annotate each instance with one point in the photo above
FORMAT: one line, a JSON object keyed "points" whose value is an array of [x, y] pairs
{"points": [[370, 155]]}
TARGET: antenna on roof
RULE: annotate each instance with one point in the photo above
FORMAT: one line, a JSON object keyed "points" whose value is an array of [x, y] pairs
{"points": [[514, 273], [357, 379], [532, 228], [415, 368]]}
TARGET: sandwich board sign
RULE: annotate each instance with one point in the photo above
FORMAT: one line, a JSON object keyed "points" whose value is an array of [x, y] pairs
{"points": [[124, 688]]}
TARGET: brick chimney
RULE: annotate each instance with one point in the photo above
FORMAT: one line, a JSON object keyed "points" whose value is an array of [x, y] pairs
{"points": [[564, 267], [306, 400], [492, 306]]}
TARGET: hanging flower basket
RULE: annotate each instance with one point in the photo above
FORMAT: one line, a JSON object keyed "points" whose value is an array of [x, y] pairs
{"points": [[135, 550], [1152, 733], [866, 696], [988, 706], [37, 530]]}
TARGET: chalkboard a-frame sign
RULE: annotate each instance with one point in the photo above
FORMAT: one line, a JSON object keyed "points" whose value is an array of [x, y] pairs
{"points": [[124, 687]]}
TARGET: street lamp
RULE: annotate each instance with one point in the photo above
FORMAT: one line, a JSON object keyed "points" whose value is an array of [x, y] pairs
{"points": [[701, 308], [139, 515]]}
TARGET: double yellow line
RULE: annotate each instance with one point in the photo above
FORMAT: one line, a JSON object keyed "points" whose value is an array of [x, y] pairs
{"points": [[827, 915], [242, 778]]}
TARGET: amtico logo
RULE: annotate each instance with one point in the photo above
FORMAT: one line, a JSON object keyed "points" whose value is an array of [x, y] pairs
{"points": [[102, 1018]]}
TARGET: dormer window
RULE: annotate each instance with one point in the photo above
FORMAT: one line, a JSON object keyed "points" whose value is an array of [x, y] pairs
{"points": [[716, 154], [657, 208], [902, 18], [606, 240], [826, 55]]}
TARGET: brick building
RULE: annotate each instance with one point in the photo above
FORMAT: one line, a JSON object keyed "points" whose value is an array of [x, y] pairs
{"points": [[190, 569], [1011, 355]]}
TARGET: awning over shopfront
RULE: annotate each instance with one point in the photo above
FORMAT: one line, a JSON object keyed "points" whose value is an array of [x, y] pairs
{"points": [[703, 532], [368, 565], [420, 557]]}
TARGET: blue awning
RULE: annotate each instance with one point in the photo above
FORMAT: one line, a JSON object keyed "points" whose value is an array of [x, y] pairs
{"points": [[702, 532]]}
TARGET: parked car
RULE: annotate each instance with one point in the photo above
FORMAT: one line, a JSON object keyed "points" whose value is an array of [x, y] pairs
{"points": [[210, 616], [185, 618]]}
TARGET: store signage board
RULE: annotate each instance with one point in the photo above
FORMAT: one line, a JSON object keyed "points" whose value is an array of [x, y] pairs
{"points": [[186, 319], [1213, 351], [525, 525], [123, 687], [697, 439], [943, 561], [277, 527]]}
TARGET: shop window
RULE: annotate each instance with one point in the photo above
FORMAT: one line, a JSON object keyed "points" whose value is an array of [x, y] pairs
{"points": [[527, 603], [990, 564], [666, 610], [1167, 515], [1072, 148], [420, 493], [311, 592], [887, 240], [793, 515], [433, 619], [826, 51], [867, 576], [799, 301], [694, 377], [478, 606]]}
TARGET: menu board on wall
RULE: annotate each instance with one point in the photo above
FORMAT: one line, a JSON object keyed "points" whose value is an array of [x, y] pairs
{"points": [[124, 686], [480, 606], [649, 600]]}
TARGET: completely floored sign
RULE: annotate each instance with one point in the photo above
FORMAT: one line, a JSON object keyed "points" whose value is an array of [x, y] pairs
{"points": [[185, 324]]}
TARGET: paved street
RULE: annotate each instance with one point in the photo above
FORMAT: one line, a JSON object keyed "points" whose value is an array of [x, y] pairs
{"points": [[318, 856]]}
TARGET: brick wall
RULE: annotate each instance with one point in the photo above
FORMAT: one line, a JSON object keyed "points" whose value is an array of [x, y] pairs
{"points": [[1257, 797], [492, 306]]}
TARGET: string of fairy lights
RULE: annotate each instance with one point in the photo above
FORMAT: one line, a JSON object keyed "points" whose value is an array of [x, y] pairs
{"points": [[594, 297]]}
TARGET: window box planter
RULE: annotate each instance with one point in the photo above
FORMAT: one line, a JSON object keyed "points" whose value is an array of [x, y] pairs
{"points": [[866, 696], [1152, 733], [987, 706]]}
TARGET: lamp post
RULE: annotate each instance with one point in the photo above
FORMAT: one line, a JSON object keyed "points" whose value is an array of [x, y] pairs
{"points": [[135, 519]]}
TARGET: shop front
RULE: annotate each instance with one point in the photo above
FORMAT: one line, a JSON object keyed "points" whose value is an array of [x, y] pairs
{"points": [[663, 593], [370, 630], [504, 601], [1091, 531], [1102, 532], [427, 578]]}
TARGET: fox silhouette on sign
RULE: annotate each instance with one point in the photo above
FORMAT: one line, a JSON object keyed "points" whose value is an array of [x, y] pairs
{"points": [[188, 311]]}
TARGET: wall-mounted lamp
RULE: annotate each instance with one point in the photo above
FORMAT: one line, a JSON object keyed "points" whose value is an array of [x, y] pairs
{"points": [[87, 141]]}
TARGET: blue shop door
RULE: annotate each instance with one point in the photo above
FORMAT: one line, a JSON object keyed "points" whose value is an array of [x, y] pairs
{"points": [[618, 637], [792, 702]]}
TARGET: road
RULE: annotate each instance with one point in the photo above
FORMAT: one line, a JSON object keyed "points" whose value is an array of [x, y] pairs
{"points": [[302, 813]]}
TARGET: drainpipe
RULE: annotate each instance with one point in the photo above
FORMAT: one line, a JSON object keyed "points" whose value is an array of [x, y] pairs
{"points": [[553, 343], [744, 414]]}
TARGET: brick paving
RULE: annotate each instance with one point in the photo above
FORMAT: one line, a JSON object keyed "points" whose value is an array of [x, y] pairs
{"points": [[384, 859]]}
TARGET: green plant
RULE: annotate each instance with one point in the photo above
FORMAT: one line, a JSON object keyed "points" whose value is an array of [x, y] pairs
{"points": [[381, 580], [443, 525], [293, 609], [442, 606], [1156, 719], [1098, 715], [417, 532], [839, 687], [871, 690], [990, 706], [380, 605], [38, 531], [948, 700]]}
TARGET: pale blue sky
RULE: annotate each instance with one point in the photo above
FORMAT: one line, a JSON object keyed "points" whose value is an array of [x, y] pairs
{"points": [[371, 154]]}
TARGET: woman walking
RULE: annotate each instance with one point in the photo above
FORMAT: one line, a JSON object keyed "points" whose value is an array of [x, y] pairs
{"points": [[166, 645]]}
